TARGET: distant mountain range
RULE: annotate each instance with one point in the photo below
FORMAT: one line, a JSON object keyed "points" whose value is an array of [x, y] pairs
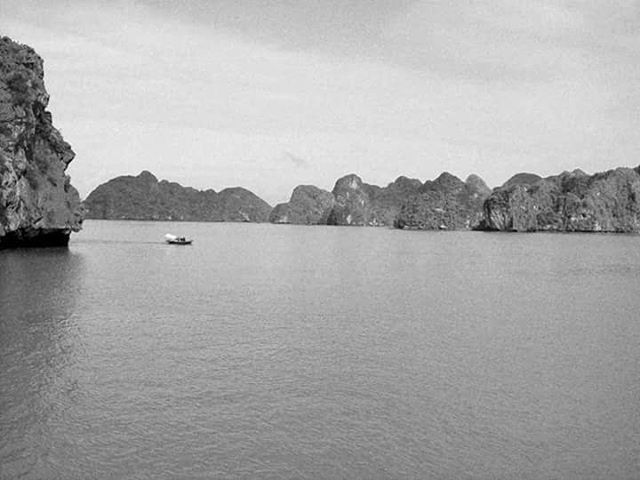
{"points": [[447, 202], [571, 201], [145, 198]]}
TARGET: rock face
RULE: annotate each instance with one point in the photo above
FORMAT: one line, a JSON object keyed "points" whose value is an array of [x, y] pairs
{"points": [[387, 202], [477, 186], [280, 214], [309, 205], [38, 205], [569, 202], [352, 202], [145, 198], [446, 203], [358, 203]]}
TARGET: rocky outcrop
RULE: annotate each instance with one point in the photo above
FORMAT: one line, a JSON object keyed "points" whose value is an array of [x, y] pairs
{"points": [[569, 202], [145, 198], [446, 203], [387, 202], [352, 202], [572, 201], [238, 204], [358, 203], [38, 205], [309, 205], [477, 186], [280, 214]]}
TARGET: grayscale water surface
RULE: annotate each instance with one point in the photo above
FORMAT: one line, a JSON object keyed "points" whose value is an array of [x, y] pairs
{"points": [[267, 351]]}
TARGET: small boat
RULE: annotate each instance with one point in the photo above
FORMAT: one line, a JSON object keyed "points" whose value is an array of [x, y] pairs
{"points": [[175, 240]]}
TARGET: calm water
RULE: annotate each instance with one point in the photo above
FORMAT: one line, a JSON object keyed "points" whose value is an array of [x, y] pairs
{"points": [[269, 351]]}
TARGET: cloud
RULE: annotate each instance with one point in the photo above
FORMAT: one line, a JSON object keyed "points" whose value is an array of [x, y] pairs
{"points": [[500, 40], [294, 160], [328, 26]]}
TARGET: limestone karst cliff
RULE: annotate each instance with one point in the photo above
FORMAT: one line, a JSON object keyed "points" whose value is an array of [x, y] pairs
{"points": [[38, 205], [358, 203], [569, 202], [388, 201], [309, 205], [143, 197], [352, 202], [404, 203], [446, 203]]}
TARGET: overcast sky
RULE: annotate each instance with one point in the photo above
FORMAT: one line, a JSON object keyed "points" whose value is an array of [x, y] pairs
{"points": [[272, 94]]}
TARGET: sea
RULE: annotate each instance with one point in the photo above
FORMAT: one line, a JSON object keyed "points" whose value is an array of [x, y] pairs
{"points": [[291, 352]]}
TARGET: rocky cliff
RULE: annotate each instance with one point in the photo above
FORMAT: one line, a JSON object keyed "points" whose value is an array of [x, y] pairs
{"points": [[309, 205], [143, 197], [352, 202], [406, 202], [387, 202], [38, 205], [358, 203], [446, 203], [569, 202]]}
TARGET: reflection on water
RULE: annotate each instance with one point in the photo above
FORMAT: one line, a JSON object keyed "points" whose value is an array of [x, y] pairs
{"points": [[39, 343]]}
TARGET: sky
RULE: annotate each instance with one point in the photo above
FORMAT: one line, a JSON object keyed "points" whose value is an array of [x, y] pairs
{"points": [[269, 95]]}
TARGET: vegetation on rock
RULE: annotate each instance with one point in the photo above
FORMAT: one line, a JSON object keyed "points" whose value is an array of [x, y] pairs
{"points": [[145, 198], [447, 203], [359, 203], [352, 202], [569, 202], [388, 202], [309, 205], [523, 178]]}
